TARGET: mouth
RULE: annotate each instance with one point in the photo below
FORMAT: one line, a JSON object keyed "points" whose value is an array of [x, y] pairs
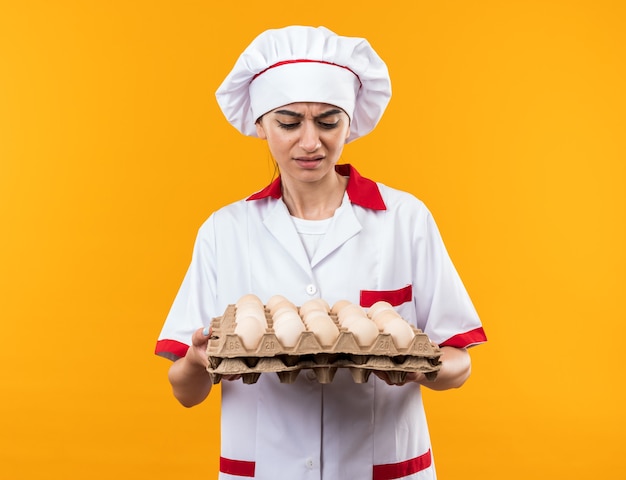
{"points": [[309, 162]]}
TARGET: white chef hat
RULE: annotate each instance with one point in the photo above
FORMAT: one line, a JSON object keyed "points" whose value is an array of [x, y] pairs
{"points": [[306, 64]]}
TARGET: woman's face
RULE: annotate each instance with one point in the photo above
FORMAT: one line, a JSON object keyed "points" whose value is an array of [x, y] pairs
{"points": [[306, 139]]}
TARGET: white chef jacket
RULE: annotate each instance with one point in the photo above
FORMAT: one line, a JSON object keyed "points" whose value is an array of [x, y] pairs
{"points": [[382, 244]]}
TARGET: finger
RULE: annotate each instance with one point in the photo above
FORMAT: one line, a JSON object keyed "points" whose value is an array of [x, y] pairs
{"points": [[416, 377], [383, 376], [201, 337]]}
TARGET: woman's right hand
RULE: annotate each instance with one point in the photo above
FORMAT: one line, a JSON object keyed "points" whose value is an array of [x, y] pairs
{"points": [[196, 354], [199, 343], [190, 380]]}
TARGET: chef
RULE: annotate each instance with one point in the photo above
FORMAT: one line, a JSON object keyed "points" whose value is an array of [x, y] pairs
{"points": [[319, 230]]}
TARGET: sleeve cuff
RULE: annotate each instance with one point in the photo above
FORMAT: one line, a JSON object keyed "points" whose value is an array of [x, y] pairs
{"points": [[171, 349], [467, 339]]}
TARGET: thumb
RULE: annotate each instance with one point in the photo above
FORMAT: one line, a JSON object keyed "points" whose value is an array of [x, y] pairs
{"points": [[201, 336]]}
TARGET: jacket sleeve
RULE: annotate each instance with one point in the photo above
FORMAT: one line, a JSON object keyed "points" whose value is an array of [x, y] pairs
{"points": [[445, 311], [194, 304]]}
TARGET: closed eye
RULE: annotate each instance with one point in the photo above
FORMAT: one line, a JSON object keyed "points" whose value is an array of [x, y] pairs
{"points": [[288, 126]]}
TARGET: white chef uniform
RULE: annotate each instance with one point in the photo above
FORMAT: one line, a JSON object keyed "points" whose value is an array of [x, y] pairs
{"points": [[382, 244]]}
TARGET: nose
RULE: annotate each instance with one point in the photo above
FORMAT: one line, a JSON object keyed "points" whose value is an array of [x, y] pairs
{"points": [[310, 139]]}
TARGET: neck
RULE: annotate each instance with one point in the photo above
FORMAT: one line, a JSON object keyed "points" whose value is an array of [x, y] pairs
{"points": [[316, 200]]}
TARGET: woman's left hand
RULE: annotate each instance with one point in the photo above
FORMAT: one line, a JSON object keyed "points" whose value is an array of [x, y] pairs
{"points": [[455, 369], [410, 377]]}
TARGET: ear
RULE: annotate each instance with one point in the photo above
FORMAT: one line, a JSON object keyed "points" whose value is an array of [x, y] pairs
{"points": [[260, 131]]}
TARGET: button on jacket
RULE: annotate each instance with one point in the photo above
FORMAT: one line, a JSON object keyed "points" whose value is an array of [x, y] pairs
{"points": [[382, 244]]}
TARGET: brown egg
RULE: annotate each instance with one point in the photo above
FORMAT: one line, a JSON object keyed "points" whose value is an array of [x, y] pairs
{"points": [[383, 317], [364, 331], [323, 303], [400, 331], [310, 306], [350, 310], [287, 310], [288, 332], [286, 315], [313, 314], [324, 329], [274, 301], [378, 307], [347, 320], [251, 310], [338, 305], [315, 304], [249, 298], [282, 305], [250, 331]]}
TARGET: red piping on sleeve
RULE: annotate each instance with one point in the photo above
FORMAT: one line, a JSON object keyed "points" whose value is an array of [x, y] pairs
{"points": [[467, 339], [171, 349]]}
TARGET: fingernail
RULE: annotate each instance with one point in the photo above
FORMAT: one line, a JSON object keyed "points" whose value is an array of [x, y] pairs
{"points": [[206, 331]]}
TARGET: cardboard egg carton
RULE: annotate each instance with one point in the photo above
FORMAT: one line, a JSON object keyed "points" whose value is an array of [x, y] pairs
{"points": [[228, 356]]}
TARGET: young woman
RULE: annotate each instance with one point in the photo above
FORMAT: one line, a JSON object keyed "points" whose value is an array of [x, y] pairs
{"points": [[320, 230]]}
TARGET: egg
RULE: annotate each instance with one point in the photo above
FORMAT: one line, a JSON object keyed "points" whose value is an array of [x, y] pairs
{"points": [[291, 312], [252, 310], [338, 305], [250, 331], [316, 304], [347, 320], [313, 314], [349, 310], [324, 329], [310, 307], [286, 315], [288, 332], [383, 317], [250, 307], [274, 301], [249, 298], [323, 303], [364, 331], [282, 305], [379, 307], [400, 331]]}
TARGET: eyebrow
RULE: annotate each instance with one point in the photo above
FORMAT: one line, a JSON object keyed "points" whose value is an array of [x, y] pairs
{"points": [[290, 113]]}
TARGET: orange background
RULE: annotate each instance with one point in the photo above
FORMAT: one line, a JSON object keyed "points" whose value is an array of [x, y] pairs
{"points": [[507, 119]]}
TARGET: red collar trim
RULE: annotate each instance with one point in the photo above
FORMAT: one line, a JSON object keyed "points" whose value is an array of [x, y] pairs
{"points": [[361, 191]]}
